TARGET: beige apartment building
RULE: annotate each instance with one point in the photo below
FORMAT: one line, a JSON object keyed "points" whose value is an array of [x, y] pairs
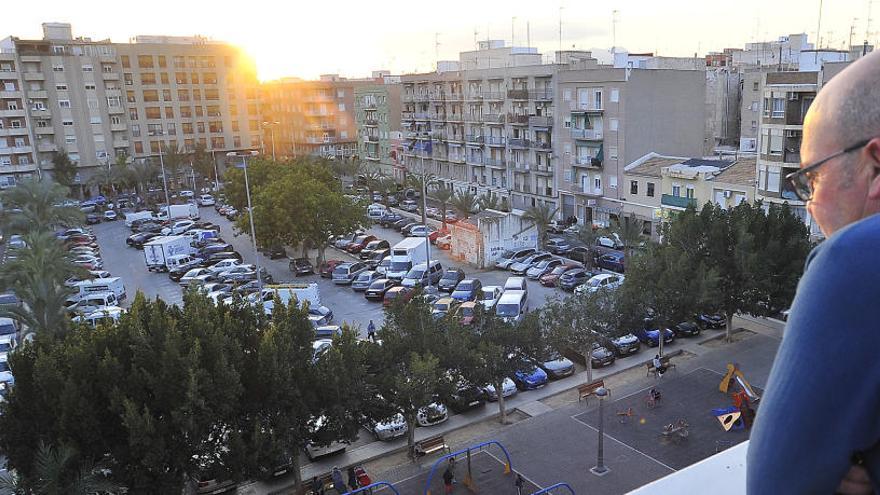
{"points": [[182, 91], [377, 114], [312, 117], [17, 150]]}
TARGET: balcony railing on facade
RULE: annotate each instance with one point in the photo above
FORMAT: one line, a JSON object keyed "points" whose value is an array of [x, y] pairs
{"points": [[587, 108], [587, 162], [541, 94], [454, 117], [517, 119], [540, 121], [677, 201], [493, 118], [371, 123], [495, 163], [473, 139], [587, 134], [518, 94], [540, 145], [518, 143], [495, 140]]}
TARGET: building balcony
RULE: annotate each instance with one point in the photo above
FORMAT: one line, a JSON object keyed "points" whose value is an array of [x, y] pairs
{"points": [[370, 107], [10, 94], [408, 98], [475, 161], [454, 117], [677, 201], [121, 143], [455, 96], [371, 123], [495, 163], [455, 138], [584, 108], [518, 94], [118, 127], [518, 143], [437, 117], [17, 150], [541, 94], [407, 115], [110, 76], [423, 116], [542, 145], [14, 131], [18, 169], [473, 139], [371, 139], [12, 113], [39, 94], [587, 162], [493, 118], [34, 76], [496, 140], [43, 131], [116, 110], [592, 192], [473, 117], [517, 119], [493, 95], [371, 158], [540, 121], [586, 134], [43, 113], [47, 147], [456, 159], [474, 96], [113, 92], [542, 169]]}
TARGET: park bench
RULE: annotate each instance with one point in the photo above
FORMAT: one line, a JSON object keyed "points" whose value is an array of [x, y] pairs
{"points": [[588, 389], [665, 361], [431, 445]]}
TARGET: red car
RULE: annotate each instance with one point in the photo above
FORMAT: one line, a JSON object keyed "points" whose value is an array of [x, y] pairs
{"points": [[552, 279], [328, 266], [360, 243], [434, 235], [398, 292]]}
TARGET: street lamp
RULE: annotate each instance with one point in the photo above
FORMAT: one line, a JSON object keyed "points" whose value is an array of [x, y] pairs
{"points": [[244, 155], [164, 179], [600, 469], [271, 126]]}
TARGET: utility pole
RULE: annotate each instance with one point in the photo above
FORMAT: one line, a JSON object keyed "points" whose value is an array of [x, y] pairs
{"points": [[528, 35], [614, 31], [436, 51], [512, 35], [560, 29], [852, 28]]}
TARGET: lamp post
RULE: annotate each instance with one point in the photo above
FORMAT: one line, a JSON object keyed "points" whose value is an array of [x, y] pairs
{"points": [[164, 181], [244, 155], [271, 126], [600, 469]]}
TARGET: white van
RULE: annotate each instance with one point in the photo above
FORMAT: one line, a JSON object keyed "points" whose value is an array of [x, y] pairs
{"points": [[112, 284], [375, 211], [516, 284], [173, 262], [93, 302], [423, 275], [108, 315], [512, 306]]}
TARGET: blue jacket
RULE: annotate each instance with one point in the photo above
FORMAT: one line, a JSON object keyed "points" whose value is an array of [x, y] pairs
{"points": [[822, 400]]}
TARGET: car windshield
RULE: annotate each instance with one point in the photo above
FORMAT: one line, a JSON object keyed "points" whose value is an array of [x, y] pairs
{"points": [[594, 282], [417, 273], [342, 270], [559, 270], [7, 328], [465, 286], [379, 284], [365, 277], [399, 266], [450, 275], [488, 295], [441, 306], [467, 311], [507, 310], [507, 255], [543, 264]]}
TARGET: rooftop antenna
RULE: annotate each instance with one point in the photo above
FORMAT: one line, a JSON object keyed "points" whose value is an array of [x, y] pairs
{"points": [[819, 28], [560, 28], [614, 31], [868, 21], [437, 50], [852, 29], [512, 38], [528, 35]]}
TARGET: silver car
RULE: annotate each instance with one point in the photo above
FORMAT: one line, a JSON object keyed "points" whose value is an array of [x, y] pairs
{"points": [[364, 280], [345, 273], [388, 429]]}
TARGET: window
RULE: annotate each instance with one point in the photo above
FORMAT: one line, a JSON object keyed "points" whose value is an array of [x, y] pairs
{"points": [[162, 62], [40, 123], [340, 93], [151, 95], [342, 107], [212, 94], [234, 126], [145, 61], [778, 108], [197, 95], [88, 68], [58, 49], [187, 128], [191, 62], [633, 187], [597, 99], [689, 192], [132, 114], [218, 142], [66, 123], [209, 78], [597, 183], [183, 94], [164, 77], [61, 87], [136, 130], [180, 77], [39, 105], [166, 95], [615, 95], [200, 127], [775, 141], [213, 110], [107, 68], [762, 178], [676, 190], [126, 62], [129, 97], [185, 112], [179, 62], [127, 78], [612, 124], [114, 101], [773, 180], [90, 87], [64, 103], [169, 112], [153, 113], [755, 86], [200, 111], [154, 129], [138, 147], [57, 68], [194, 78], [172, 129], [148, 78]]}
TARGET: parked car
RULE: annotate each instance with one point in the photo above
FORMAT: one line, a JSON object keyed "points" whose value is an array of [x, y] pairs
{"points": [[364, 280], [466, 397], [206, 200], [711, 320], [508, 388], [625, 345], [573, 278], [601, 356], [176, 274], [138, 240], [521, 267], [557, 226], [432, 414], [467, 290], [397, 293], [343, 241], [275, 252], [444, 242], [217, 247], [383, 265], [651, 336], [409, 205], [359, 243], [300, 266], [512, 256], [372, 247], [389, 428], [558, 245], [610, 241], [328, 266], [421, 231], [109, 216], [552, 279], [466, 312], [530, 378], [555, 364], [602, 281], [93, 218], [450, 279], [612, 261], [407, 229], [443, 307], [196, 276], [686, 329], [376, 257], [389, 218], [543, 267], [423, 274], [581, 254], [400, 224], [222, 255], [345, 273], [376, 291], [489, 296]]}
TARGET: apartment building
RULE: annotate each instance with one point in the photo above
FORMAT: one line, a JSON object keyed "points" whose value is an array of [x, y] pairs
{"points": [[17, 153], [782, 53], [313, 117], [377, 114], [69, 89], [184, 91], [723, 107]]}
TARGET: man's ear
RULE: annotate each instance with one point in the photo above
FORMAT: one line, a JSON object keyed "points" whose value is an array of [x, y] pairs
{"points": [[873, 154]]}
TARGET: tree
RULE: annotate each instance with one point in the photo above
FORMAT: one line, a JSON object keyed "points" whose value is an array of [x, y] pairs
{"points": [[629, 231], [488, 201], [442, 195], [202, 161], [386, 186], [421, 183], [142, 174], [464, 203], [40, 204], [172, 158], [63, 169], [540, 216], [59, 472]]}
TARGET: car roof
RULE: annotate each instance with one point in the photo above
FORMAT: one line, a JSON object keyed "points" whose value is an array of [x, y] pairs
{"points": [[512, 296], [468, 304]]}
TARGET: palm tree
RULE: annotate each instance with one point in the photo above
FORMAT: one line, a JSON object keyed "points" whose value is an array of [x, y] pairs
{"points": [[173, 160], [386, 186], [57, 472], [488, 201], [464, 203], [420, 184], [540, 215], [39, 202], [442, 195], [141, 174], [629, 230], [37, 277], [372, 176]]}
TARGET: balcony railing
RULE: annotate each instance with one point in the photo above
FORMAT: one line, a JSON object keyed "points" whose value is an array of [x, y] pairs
{"points": [[518, 94], [423, 116], [540, 121], [437, 116], [677, 201], [518, 143], [542, 145], [473, 117], [513, 118], [541, 94], [407, 115], [587, 161], [476, 161], [586, 134], [495, 162], [454, 117], [495, 140], [493, 118], [474, 139], [371, 123], [493, 95]]}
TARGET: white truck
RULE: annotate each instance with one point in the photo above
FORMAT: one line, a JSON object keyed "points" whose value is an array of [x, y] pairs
{"points": [[91, 286], [189, 211], [158, 250], [301, 292], [130, 218], [404, 255]]}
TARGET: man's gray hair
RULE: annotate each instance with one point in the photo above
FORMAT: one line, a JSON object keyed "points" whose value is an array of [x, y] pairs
{"points": [[855, 110]]}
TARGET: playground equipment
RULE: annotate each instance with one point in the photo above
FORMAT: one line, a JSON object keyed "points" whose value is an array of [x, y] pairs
{"points": [[734, 374], [553, 487], [369, 488], [468, 480]]}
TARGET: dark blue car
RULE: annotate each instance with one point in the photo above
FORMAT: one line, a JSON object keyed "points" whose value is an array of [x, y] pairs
{"points": [[467, 290], [652, 336], [613, 262], [530, 378]]}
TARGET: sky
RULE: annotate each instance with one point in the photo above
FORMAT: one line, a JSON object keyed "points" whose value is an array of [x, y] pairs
{"points": [[355, 37]]}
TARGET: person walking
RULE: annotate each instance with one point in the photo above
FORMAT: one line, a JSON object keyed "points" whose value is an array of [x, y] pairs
{"points": [[338, 482], [352, 479], [317, 487], [658, 366], [519, 484], [371, 331], [816, 430], [448, 478]]}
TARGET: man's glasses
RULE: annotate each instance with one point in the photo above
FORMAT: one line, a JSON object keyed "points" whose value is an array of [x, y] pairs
{"points": [[802, 180]]}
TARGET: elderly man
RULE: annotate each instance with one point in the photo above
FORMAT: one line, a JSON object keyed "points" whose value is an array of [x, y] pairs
{"points": [[818, 427]]}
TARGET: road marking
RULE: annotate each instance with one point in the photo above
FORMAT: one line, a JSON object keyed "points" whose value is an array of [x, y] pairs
{"points": [[514, 470], [621, 443]]}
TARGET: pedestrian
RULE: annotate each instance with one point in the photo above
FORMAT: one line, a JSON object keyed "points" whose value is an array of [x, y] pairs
{"points": [[802, 442], [338, 482], [519, 483], [317, 486], [448, 478], [658, 366], [352, 479], [371, 331]]}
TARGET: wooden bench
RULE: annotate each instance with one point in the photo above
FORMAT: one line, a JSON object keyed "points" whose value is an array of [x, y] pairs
{"points": [[588, 389], [431, 445], [665, 361]]}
